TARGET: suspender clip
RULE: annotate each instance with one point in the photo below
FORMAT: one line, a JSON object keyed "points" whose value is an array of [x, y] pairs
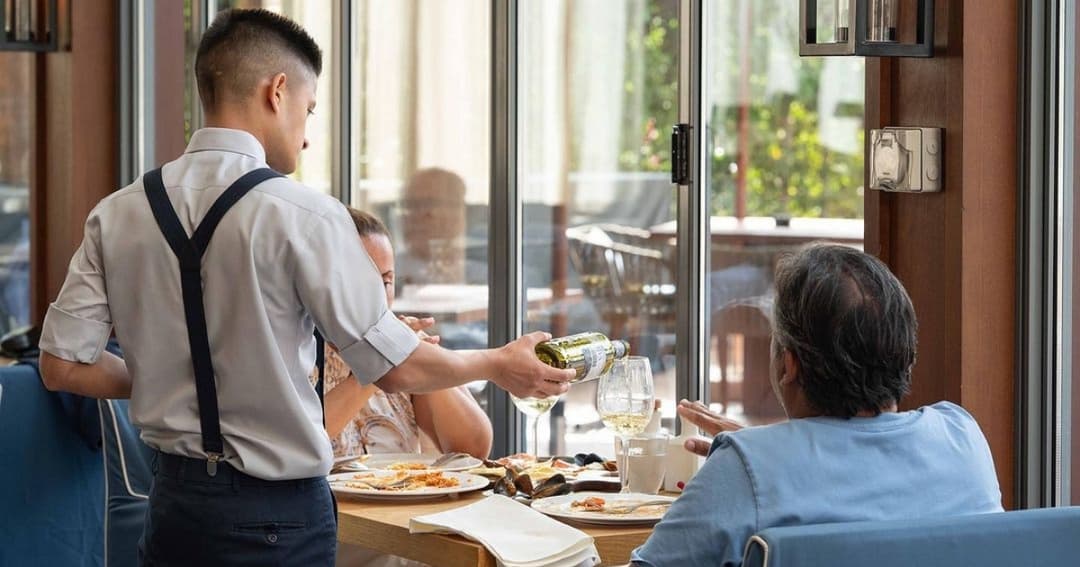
{"points": [[211, 463]]}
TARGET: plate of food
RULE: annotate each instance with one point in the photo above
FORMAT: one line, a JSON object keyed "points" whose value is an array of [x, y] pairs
{"points": [[453, 462], [599, 508], [542, 468], [404, 485]]}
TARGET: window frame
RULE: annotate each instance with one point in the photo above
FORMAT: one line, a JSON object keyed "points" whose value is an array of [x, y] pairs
{"points": [[1044, 253]]}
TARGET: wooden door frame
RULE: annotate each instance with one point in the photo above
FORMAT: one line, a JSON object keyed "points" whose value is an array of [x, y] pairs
{"points": [[955, 251]]}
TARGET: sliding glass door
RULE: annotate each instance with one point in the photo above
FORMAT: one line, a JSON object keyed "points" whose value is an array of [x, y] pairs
{"points": [[597, 97], [774, 145], [783, 152]]}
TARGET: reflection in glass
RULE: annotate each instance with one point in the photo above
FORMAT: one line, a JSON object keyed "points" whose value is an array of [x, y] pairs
{"points": [[420, 135], [843, 20], [883, 19], [598, 86], [16, 141]]}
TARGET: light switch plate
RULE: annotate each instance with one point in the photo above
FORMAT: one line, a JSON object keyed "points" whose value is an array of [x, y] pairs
{"points": [[905, 159]]}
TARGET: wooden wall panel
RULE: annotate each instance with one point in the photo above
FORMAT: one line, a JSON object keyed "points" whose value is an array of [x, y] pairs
{"points": [[77, 159], [170, 81], [988, 353], [955, 250]]}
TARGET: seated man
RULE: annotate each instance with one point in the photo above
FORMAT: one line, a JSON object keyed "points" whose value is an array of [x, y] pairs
{"points": [[843, 348]]}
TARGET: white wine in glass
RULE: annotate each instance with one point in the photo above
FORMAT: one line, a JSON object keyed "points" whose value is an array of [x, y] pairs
{"points": [[534, 409], [625, 424], [624, 399]]}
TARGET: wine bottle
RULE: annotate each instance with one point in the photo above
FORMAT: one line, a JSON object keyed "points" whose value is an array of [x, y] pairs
{"points": [[590, 354]]}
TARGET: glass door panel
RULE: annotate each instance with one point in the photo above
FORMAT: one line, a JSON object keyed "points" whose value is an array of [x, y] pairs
{"points": [[16, 144], [420, 150], [784, 155], [1070, 312], [598, 87]]}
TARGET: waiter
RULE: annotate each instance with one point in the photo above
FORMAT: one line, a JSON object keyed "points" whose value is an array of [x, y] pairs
{"points": [[214, 271]]}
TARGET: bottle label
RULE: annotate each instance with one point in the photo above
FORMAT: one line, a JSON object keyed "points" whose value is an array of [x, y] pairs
{"points": [[595, 356]]}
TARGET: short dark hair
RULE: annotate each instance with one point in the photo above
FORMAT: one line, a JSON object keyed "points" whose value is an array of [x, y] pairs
{"points": [[241, 47], [851, 326], [367, 224]]}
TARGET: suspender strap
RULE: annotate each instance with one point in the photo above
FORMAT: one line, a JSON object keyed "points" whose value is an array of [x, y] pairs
{"points": [[189, 253], [320, 363]]}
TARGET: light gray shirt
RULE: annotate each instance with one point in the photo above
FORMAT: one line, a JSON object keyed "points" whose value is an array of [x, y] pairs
{"points": [[283, 260]]}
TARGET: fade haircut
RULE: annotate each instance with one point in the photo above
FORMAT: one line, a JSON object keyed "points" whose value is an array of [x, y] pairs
{"points": [[851, 325], [242, 47]]}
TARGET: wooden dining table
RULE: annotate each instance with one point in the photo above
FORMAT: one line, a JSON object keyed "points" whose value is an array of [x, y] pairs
{"points": [[383, 526]]}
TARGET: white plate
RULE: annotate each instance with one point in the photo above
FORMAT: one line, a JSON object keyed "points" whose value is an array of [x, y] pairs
{"points": [[560, 507], [384, 460], [466, 483]]}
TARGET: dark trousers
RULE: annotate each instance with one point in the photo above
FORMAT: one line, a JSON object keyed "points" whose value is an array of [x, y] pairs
{"points": [[235, 519]]}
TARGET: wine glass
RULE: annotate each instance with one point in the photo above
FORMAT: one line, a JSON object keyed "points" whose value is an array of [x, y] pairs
{"points": [[624, 399], [534, 409]]}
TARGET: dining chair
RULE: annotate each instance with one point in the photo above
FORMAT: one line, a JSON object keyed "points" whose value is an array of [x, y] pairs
{"points": [[1045, 537]]}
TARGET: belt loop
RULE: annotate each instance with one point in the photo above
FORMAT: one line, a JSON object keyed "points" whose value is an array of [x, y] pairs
{"points": [[235, 474], [154, 465], [181, 469]]}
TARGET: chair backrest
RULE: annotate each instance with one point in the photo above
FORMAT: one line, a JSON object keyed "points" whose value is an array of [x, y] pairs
{"points": [[127, 483], [622, 270], [51, 481], [1044, 537], [67, 500]]}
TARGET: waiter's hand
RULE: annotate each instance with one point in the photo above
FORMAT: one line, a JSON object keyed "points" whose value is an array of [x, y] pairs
{"points": [[522, 374]]}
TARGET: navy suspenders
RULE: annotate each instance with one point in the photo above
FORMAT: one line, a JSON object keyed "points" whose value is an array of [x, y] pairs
{"points": [[189, 253]]}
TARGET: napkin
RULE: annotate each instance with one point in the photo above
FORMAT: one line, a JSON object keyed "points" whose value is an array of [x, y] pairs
{"points": [[516, 535]]}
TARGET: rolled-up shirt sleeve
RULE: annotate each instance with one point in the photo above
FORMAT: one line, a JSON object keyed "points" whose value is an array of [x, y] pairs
{"points": [[343, 291], [78, 324]]}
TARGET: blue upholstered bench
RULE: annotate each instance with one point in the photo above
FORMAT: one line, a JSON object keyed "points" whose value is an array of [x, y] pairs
{"points": [[72, 489], [1045, 537]]}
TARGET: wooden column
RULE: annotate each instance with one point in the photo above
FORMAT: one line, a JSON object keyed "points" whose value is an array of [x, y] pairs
{"points": [[167, 39], [76, 157], [955, 251]]}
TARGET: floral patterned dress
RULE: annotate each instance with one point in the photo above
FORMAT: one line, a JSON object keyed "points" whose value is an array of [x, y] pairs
{"points": [[387, 424]]}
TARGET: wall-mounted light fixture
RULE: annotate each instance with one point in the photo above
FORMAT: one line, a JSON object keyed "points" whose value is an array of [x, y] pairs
{"points": [[29, 25], [869, 28]]}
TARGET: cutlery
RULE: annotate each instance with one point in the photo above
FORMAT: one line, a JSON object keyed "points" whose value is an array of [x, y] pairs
{"points": [[628, 508], [375, 485], [449, 458]]}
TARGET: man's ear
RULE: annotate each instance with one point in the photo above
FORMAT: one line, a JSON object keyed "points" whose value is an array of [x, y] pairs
{"points": [[275, 92], [790, 374]]}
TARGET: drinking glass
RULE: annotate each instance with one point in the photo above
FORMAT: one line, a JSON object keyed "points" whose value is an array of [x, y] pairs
{"points": [[534, 409], [624, 399]]}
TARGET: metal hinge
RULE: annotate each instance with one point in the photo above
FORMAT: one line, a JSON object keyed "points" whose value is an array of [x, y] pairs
{"points": [[680, 154]]}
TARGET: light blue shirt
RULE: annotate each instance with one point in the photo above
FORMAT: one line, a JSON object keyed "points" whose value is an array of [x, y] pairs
{"points": [[933, 461]]}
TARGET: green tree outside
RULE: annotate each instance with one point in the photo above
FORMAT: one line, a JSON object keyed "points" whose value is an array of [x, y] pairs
{"points": [[791, 171]]}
